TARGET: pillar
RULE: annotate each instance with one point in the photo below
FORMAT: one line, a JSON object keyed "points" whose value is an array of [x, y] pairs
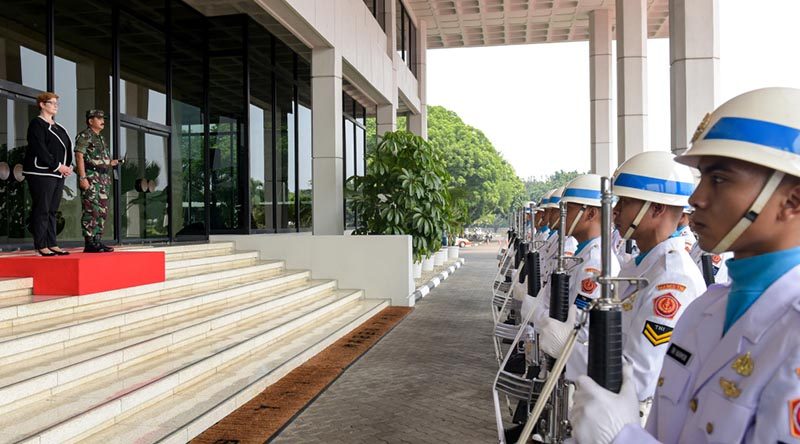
{"points": [[631, 77], [418, 123], [603, 159], [386, 119], [327, 152], [694, 66]]}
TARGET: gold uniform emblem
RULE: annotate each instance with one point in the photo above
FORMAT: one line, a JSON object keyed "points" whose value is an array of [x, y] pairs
{"points": [[627, 304], [729, 388], [702, 127], [743, 365]]}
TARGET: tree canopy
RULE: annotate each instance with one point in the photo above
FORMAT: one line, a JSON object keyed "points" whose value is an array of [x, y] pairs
{"points": [[488, 182], [536, 188]]}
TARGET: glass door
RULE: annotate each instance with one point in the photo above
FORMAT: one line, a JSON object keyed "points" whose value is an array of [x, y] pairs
{"points": [[16, 112], [144, 184]]}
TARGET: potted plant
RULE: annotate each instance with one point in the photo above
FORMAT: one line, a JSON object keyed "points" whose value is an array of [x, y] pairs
{"points": [[403, 192], [455, 219]]}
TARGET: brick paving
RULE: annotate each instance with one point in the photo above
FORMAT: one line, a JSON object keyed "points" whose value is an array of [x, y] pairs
{"points": [[427, 381]]}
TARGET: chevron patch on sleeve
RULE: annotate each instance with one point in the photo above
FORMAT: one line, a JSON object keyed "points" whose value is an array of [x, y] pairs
{"points": [[656, 333]]}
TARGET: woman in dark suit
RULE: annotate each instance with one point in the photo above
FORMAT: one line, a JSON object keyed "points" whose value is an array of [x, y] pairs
{"points": [[48, 160]]}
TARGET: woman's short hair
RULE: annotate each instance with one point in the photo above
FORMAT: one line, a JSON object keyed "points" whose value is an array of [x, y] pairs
{"points": [[46, 96]]}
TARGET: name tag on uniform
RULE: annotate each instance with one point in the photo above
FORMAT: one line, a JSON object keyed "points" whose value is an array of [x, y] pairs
{"points": [[678, 354]]}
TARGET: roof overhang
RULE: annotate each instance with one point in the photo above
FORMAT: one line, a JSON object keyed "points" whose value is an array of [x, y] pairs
{"points": [[470, 23]]}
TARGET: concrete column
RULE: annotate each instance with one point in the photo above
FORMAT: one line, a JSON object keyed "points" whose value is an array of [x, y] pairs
{"points": [[631, 78], [418, 123], [694, 66], [387, 112], [328, 163], [604, 160]]}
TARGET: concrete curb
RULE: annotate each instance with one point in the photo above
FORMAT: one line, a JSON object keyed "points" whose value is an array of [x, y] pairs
{"points": [[426, 288]]}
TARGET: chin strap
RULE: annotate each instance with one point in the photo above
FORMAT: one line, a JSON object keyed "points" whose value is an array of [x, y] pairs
{"points": [[750, 215], [637, 220], [577, 219]]}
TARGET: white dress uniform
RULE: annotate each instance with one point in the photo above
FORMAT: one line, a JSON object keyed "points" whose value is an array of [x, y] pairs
{"points": [[689, 238], [549, 265], [618, 246], [743, 387], [717, 261], [582, 290], [649, 315]]}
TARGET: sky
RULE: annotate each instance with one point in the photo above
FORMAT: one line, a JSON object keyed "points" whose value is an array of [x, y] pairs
{"points": [[532, 101]]}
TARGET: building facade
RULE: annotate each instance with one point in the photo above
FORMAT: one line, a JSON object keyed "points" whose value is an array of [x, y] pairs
{"points": [[233, 117]]}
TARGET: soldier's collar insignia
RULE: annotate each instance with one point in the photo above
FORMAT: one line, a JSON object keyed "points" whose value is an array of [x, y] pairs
{"points": [[729, 388], [701, 128], [743, 365]]}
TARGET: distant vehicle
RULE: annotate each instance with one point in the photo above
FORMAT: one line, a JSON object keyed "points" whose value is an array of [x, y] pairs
{"points": [[461, 242]]}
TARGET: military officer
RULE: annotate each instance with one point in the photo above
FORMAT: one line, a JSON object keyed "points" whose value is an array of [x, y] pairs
{"points": [[94, 164], [732, 372], [652, 191], [582, 196]]}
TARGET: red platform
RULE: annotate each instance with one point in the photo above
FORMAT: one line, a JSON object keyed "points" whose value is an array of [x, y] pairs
{"points": [[86, 273]]}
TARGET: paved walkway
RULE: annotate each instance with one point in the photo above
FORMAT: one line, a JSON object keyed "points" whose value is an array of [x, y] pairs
{"points": [[428, 381]]}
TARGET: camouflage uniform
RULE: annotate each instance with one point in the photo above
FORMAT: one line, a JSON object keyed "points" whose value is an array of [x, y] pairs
{"points": [[97, 161]]}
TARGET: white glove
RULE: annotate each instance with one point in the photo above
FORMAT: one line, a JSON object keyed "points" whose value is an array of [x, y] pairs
{"points": [[520, 290], [554, 334], [598, 415]]}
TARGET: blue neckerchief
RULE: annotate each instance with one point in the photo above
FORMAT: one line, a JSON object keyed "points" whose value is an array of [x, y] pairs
{"points": [[552, 232], [751, 276], [638, 259], [583, 245], [677, 233], [543, 229]]}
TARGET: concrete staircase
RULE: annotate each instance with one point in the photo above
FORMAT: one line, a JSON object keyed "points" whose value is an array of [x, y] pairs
{"points": [[162, 362]]}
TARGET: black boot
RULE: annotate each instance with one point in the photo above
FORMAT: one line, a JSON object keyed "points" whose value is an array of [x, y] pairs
{"points": [[91, 245], [103, 247]]}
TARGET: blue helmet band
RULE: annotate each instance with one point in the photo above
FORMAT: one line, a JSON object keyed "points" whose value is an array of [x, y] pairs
{"points": [[654, 184], [758, 132]]}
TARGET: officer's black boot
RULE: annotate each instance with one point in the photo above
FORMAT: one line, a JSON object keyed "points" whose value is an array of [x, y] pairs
{"points": [[91, 245], [103, 247]]}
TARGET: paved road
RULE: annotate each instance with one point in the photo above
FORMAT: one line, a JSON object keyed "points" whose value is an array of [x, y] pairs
{"points": [[427, 381]]}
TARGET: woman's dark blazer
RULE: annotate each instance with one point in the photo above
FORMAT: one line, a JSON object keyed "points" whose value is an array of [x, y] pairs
{"points": [[46, 151]]}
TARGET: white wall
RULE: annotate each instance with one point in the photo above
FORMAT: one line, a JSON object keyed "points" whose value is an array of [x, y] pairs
{"points": [[379, 265]]}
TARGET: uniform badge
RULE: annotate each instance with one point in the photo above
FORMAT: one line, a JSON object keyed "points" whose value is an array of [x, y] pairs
{"points": [[729, 388], [592, 270], [656, 333], [678, 354], [582, 302], [588, 285], [627, 304], [794, 417], [702, 127], [743, 365], [666, 305], [676, 287], [716, 259]]}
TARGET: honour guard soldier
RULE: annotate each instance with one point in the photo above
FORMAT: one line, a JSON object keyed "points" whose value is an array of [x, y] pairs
{"points": [[94, 166], [732, 371], [582, 196], [652, 191]]}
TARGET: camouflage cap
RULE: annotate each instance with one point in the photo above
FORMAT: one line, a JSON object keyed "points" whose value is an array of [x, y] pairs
{"points": [[95, 113]]}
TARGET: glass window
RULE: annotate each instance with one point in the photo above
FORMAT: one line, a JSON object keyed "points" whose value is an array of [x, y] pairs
{"points": [[142, 53], [406, 38], [188, 126], [83, 81], [359, 156], [378, 10], [143, 184], [22, 39], [304, 146], [262, 207], [400, 12], [285, 156], [227, 105], [349, 168]]}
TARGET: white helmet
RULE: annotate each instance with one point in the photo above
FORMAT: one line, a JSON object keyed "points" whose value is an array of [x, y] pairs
{"points": [[761, 127], [653, 177], [555, 198], [583, 190], [546, 199]]}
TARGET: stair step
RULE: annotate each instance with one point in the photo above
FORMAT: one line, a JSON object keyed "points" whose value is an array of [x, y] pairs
{"points": [[38, 309], [187, 413], [68, 414], [206, 264], [32, 338], [15, 284], [45, 374]]}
